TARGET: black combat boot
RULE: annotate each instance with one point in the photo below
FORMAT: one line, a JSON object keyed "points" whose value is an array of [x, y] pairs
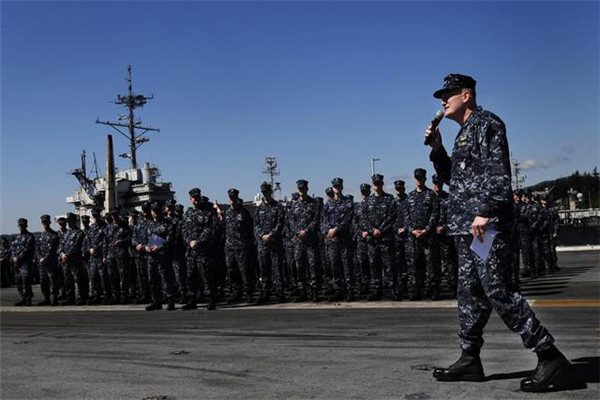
{"points": [[302, 296], [45, 302], [467, 368], [350, 295], [376, 295], [550, 364], [336, 296], [55, 300], [20, 303], [314, 295], [249, 297], [235, 297], [212, 305], [416, 295], [68, 302], [264, 298], [435, 293], [396, 294], [154, 306], [190, 305], [171, 304]]}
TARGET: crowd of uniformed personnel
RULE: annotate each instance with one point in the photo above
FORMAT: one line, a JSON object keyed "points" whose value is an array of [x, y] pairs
{"points": [[307, 249]]}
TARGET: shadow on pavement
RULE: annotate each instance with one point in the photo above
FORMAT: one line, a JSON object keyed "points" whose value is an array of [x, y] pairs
{"points": [[581, 372]]}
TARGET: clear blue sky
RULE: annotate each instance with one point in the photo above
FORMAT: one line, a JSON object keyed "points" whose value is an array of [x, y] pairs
{"points": [[321, 85]]}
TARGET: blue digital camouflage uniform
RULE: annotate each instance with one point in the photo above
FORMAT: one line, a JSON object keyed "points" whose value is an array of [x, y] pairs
{"points": [[304, 216], [239, 237], [539, 225], [290, 270], [22, 252], [338, 215], [269, 220], [160, 263], [359, 225], [139, 237], [381, 214], [73, 269], [117, 239], [46, 256], [94, 240], [403, 252], [479, 178], [179, 259], [422, 212], [545, 238], [446, 248], [524, 222], [200, 225]]}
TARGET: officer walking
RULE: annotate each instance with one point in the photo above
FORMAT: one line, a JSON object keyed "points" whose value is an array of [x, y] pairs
{"points": [[23, 252], [479, 176]]}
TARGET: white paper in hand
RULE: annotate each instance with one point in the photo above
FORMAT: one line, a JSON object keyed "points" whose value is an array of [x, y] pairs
{"points": [[482, 248]]}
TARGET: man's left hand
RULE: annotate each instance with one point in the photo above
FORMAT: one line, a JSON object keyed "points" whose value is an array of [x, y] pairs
{"points": [[479, 226]]}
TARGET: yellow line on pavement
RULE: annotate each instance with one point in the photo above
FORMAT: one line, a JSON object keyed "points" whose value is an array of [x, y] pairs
{"points": [[561, 303]]}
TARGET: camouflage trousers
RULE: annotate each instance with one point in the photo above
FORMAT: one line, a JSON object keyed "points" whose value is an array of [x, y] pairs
{"points": [[161, 278], [141, 263], [383, 268], [425, 268], [202, 276], [306, 256], [448, 259], [271, 266], [402, 260], [94, 270], [526, 248], [484, 286], [115, 278], [23, 279], [76, 275], [241, 275], [49, 283], [339, 253], [362, 270], [290, 270]]}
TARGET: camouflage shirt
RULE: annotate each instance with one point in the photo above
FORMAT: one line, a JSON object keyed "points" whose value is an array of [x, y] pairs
{"points": [[46, 247], [304, 216], [95, 239], [338, 214], [381, 214], [117, 239], [23, 248], [269, 220], [199, 224], [359, 222], [422, 210], [70, 244], [442, 200], [239, 227], [164, 230], [478, 174]]}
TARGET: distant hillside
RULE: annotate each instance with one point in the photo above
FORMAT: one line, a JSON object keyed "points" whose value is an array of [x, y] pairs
{"points": [[586, 183]]}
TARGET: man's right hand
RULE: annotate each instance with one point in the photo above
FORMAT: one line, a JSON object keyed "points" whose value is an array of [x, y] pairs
{"points": [[193, 244], [433, 138]]}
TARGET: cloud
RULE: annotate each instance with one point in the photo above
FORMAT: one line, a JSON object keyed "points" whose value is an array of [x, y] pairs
{"points": [[530, 165], [569, 149]]}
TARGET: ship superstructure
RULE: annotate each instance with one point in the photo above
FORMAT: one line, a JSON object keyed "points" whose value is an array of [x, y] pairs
{"points": [[123, 189]]}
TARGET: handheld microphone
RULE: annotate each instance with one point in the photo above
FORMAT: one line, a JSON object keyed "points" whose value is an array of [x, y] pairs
{"points": [[439, 115]]}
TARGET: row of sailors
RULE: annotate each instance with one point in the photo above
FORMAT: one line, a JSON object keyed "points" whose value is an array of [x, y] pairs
{"points": [[346, 248]]}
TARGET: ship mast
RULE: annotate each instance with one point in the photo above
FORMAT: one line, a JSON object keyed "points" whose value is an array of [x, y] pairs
{"points": [[131, 101], [517, 178]]}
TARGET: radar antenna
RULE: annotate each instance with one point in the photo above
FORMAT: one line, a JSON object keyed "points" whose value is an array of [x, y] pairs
{"points": [[131, 101]]}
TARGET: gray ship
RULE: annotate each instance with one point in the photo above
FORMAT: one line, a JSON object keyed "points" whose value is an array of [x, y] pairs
{"points": [[124, 189]]}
